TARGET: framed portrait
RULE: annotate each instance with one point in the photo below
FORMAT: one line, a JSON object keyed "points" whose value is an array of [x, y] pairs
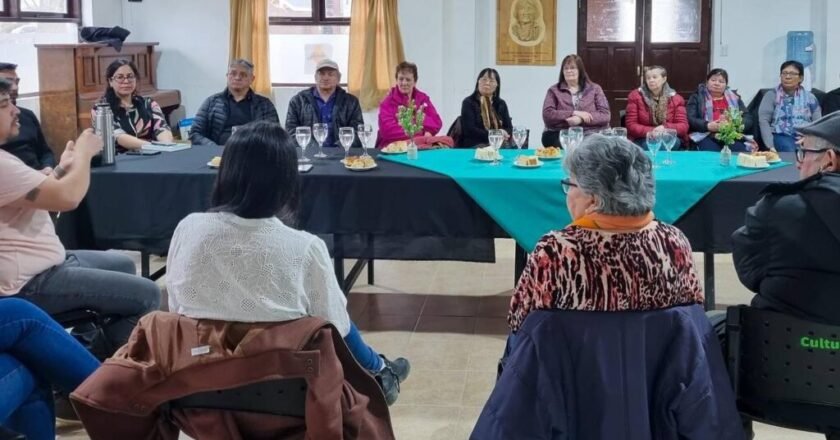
{"points": [[526, 32]]}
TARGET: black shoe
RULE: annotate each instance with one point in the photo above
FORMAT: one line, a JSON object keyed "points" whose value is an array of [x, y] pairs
{"points": [[400, 366], [390, 384], [63, 408], [6, 434]]}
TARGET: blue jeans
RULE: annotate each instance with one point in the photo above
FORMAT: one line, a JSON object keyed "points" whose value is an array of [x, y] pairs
{"points": [[783, 142], [101, 281], [35, 355], [367, 357]]}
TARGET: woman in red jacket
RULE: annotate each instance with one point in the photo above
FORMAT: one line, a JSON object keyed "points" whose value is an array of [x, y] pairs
{"points": [[655, 106]]}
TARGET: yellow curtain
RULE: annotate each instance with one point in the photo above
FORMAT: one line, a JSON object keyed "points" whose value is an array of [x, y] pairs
{"points": [[249, 39], [375, 50]]}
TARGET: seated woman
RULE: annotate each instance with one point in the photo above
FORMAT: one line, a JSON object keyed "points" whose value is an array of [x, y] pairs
{"points": [[574, 101], [241, 262], [484, 110], [36, 355], [390, 129], [614, 256], [786, 107], [137, 120], [707, 106], [655, 106]]}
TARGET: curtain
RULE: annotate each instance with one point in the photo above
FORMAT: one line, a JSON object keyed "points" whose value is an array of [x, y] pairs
{"points": [[375, 50], [249, 39]]}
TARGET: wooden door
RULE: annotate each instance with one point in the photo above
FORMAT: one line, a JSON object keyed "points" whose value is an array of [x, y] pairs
{"points": [[617, 38]]}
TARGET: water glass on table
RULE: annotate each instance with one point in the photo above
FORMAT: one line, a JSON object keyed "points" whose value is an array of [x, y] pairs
{"points": [[520, 135], [365, 133], [496, 137], [619, 132], [320, 131], [346, 136], [653, 140], [669, 139], [303, 135]]}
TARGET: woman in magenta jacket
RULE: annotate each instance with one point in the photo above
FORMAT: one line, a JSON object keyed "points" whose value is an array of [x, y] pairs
{"points": [[574, 101], [655, 106], [389, 127]]}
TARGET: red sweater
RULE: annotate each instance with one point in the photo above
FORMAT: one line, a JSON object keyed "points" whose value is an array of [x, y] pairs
{"points": [[639, 120]]}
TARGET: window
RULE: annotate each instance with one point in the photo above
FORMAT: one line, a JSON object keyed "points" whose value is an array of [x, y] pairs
{"points": [[40, 10], [302, 33]]}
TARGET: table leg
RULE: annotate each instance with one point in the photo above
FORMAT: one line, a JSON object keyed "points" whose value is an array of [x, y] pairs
{"points": [[370, 271], [339, 272], [144, 264], [520, 257], [709, 278]]}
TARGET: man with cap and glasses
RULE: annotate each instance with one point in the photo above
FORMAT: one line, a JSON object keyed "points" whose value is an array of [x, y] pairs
{"points": [[326, 103], [788, 250], [221, 114]]}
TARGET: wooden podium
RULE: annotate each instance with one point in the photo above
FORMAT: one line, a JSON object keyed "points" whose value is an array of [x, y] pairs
{"points": [[72, 79]]}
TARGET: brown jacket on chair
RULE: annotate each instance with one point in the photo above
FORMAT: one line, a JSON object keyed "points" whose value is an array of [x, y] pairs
{"points": [[169, 356]]}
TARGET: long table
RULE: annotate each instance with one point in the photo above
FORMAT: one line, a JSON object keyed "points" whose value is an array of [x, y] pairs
{"points": [[137, 203]]}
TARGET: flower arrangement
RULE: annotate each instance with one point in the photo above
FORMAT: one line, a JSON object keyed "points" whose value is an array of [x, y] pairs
{"points": [[731, 127], [411, 118]]}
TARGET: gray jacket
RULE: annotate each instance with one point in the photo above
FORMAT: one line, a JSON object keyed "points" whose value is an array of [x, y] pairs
{"points": [[765, 117], [209, 122], [303, 112]]}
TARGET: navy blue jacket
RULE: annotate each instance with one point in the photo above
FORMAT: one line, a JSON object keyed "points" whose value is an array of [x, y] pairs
{"points": [[613, 375]]}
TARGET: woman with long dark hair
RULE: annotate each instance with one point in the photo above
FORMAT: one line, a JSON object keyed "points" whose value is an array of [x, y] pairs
{"points": [[242, 262], [484, 110], [137, 120]]}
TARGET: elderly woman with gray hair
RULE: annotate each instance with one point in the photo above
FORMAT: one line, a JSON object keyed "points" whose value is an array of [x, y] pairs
{"points": [[613, 256]]}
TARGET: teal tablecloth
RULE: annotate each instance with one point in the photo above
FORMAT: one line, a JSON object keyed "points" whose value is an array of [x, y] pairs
{"points": [[527, 203]]}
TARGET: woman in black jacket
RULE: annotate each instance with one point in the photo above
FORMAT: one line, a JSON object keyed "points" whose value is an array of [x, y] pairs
{"points": [[484, 110], [706, 108]]}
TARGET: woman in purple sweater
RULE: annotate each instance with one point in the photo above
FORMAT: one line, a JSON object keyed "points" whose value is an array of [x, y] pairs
{"points": [[574, 101]]}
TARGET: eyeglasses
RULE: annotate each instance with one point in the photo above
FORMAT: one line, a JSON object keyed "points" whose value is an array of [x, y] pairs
{"points": [[487, 80], [789, 74], [123, 78], [801, 152], [567, 185], [238, 74]]}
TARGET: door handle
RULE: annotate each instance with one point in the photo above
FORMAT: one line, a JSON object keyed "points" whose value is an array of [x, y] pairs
{"points": [[638, 70]]}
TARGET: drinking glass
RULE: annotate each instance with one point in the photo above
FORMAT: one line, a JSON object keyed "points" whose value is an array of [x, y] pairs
{"points": [[303, 135], [320, 131], [654, 143], [520, 134], [619, 132], [365, 133], [496, 137], [565, 140], [607, 132], [669, 139], [577, 134], [346, 136]]}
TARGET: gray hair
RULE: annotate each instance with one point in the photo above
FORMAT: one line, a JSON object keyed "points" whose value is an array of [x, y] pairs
{"points": [[616, 171], [662, 70], [242, 62]]}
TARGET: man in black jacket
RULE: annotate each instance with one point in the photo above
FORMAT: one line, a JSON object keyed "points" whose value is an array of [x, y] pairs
{"points": [[326, 103], [221, 114], [30, 146], [788, 251]]}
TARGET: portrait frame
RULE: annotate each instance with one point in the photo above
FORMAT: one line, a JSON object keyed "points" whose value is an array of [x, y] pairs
{"points": [[526, 32]]}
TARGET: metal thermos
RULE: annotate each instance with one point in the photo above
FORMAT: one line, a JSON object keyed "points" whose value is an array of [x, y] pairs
{"points": [[104, 127]]}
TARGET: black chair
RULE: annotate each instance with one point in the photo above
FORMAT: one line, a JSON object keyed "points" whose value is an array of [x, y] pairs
{"points": [[752, 113], [281, 397], [455, 132], [785, 371], [88, 324]]}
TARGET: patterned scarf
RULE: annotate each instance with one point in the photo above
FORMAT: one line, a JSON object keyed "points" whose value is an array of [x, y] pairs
{"points": [[658, 105], [488, 114], [790, 114], [732, 100]]}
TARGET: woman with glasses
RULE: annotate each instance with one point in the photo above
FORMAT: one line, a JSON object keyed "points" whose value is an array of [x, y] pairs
{"points": [[574, 101], [707, 109], [137, 120], [484, 110], [785, 108], [613, 256], [654, 107]]}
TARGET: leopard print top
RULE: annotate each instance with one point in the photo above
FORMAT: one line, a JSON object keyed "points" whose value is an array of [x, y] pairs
{"points": [[595, 270]]}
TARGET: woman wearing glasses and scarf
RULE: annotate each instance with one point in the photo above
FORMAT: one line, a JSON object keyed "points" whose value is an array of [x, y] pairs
{"points": [[785, 108], [707, 109], [137, 120], [484, 110]]}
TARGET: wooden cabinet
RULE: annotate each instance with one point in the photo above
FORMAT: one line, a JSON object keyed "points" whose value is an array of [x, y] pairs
{"points": [[72, 79]]}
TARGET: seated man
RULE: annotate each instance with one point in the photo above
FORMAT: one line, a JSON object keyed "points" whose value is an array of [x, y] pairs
{"points": [[788, 250], [29, 145], [33, 263], [237, 105], [326, 103]]}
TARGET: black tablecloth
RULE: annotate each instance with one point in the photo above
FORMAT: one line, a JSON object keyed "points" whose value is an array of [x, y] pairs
{"points": [[391, 212]]}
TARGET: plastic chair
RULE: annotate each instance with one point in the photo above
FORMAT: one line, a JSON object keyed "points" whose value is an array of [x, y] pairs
{"points": [[785, 371]]}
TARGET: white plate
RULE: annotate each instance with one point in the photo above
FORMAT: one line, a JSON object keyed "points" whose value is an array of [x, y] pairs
{"points": [[210, 164], [518, 165], [775, 161], [392, 152], [499, 158], [361, 169], [550, 158], [755, 168]]}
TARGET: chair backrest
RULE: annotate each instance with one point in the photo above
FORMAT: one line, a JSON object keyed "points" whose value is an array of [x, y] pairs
{"points": [[281, 397], [752, 111], [776, 359], [455, 132]]}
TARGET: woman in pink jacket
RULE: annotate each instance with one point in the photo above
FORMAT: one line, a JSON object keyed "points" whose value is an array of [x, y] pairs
{"points": [[389, 127]]}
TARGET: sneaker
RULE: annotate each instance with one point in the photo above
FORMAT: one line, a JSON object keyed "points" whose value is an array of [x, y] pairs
{"points": [[400, 366], [390, 384]]}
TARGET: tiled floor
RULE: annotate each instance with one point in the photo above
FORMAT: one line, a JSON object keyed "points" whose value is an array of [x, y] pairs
{"points": [[448, 319]]}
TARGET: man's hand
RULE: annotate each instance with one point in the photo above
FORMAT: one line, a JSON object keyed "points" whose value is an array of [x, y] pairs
{"points": [[87, 145], [46, 171]]}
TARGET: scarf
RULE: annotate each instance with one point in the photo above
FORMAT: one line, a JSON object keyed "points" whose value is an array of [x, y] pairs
{"points": [[732, 100], [788, 116], [613, 222], [658, 105], [488, 114]]}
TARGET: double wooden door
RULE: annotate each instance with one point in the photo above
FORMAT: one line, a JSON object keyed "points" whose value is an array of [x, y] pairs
{"points": [[617, 38]]}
